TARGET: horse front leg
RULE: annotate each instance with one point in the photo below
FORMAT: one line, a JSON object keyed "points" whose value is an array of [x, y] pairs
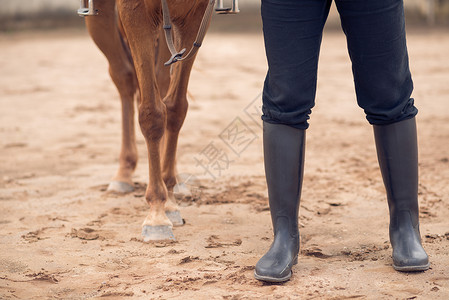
{"points": [[177, 105], [141, 24], [152, 120], [169, 141]]}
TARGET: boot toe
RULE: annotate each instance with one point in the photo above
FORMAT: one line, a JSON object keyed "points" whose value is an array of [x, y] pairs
{"points": [[270, 274], [272, 269], [417, 261]]}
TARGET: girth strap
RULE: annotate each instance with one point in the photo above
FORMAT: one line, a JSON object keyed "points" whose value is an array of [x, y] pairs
{"points": [[179, 55]]}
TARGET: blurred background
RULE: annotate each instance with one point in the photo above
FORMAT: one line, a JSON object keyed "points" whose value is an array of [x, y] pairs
{"points": [[59, 147], [28, 14]]}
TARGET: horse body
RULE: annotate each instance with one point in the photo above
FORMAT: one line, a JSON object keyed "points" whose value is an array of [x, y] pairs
{"points": [[134, 46]]}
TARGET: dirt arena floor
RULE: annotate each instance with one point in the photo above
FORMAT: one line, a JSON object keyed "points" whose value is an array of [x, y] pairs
{"points": [[62, 236]]}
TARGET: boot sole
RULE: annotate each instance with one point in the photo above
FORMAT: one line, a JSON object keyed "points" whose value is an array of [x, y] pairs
{"points": [[272, 279], [276, 279], [412, 268]]}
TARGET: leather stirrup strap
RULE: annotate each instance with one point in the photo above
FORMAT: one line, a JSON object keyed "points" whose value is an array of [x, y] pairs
{"points": [[179, 55]]}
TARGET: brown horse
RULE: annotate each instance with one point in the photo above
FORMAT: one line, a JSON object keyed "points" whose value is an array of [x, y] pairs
{"points": [[130, 34]]}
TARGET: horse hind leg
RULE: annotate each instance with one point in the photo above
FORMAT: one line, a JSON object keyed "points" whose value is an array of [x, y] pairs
{"points": [[104, 30]]}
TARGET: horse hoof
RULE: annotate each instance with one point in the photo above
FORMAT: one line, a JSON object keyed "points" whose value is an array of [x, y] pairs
{"points": [[175, 217], [157, 233], [120, 187], [181, 190]]}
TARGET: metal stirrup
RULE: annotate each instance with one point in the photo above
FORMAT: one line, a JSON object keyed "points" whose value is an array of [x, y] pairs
{"points": [[87, 11], [234, 9], [179, 55]]}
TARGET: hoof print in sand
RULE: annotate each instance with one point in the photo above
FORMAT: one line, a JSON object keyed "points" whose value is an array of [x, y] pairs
{"points": [[88, 234]]}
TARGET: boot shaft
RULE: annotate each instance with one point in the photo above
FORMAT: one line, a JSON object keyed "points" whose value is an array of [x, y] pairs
{"points": [[284, 149], [397, 152]]}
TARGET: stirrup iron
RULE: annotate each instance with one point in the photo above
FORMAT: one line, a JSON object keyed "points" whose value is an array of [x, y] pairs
{"points": [[234, 9], [87, 11]]}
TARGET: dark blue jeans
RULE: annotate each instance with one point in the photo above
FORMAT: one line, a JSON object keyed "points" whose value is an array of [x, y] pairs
{"points": [[375, 32]]}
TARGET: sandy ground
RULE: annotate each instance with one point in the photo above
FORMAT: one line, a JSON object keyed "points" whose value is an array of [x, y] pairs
{"points": [[62, 236]]}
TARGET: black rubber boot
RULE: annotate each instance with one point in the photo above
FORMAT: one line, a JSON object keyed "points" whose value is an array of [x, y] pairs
{"points": [[397, 152], [284, 165]]}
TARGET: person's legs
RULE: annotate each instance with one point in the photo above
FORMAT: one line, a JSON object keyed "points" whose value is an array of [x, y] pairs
{"points": [[375, 33], [292, 31]]}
